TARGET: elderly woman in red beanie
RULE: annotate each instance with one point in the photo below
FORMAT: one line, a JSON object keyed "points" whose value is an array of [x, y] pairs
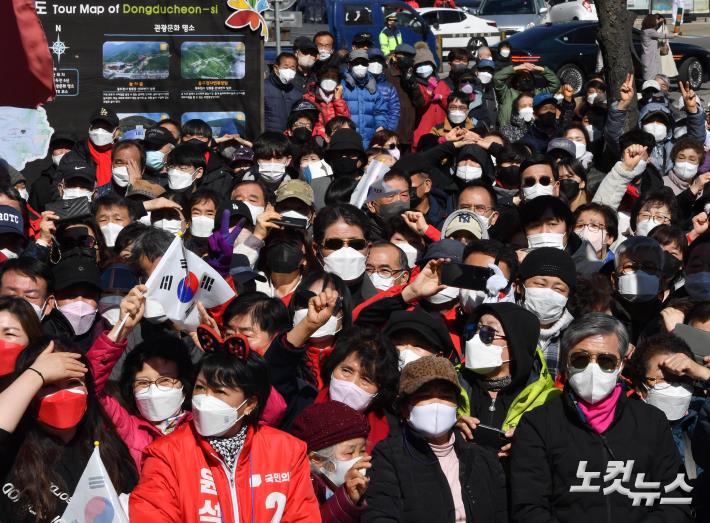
{"points": [[335, 436]]}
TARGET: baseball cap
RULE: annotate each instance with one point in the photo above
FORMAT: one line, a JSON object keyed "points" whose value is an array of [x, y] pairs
{"points": [[11, 221], [295, 189], [157, 137], [430, 328], [463, 220], [74, 166], [405, 49], [74, 270], [305, 45], [544, 98], [562, 144], [104, 114], [238, 208], [651, 84], [238, 153], [357, 54], [363, 38], [486, 64]]}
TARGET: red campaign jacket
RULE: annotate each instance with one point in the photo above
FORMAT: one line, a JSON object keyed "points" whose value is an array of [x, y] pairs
{"points": [[184, 481], [434, 111], [327, 111]]}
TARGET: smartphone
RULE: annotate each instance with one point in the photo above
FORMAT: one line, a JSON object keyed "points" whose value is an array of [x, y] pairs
{"points": [[490, 437], [72, 208], [294, 223], [465, 276]]}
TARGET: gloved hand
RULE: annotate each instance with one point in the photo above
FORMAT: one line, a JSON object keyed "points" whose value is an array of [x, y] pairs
{"points": [[432, 82], [497, 282], [221, 244]]}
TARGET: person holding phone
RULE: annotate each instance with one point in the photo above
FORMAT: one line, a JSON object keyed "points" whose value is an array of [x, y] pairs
{"points": [[429, 472]]}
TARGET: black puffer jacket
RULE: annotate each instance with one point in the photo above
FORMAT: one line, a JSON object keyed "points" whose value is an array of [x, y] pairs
{"points": [[408, 485], [552, 440]]}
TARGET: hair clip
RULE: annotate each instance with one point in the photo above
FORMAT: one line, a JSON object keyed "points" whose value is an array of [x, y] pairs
{"points": [[237, 344]]}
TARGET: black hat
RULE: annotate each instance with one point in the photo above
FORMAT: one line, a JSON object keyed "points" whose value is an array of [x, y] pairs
{"points": [[549, 261], [74, 166], [543, 207], [238, 208], [305, 45], [346, 139], [104, 114], [363, 38], [431, 328], [60, 139], [241, 271], [74, 270], [448, 248], [11, 221], [157, 137]]}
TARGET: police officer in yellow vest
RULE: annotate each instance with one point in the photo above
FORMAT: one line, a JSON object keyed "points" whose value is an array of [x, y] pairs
{"points": [[390, 37]]}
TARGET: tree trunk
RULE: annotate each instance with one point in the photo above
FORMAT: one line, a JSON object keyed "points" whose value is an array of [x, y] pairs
{"points": [[615, 24]]}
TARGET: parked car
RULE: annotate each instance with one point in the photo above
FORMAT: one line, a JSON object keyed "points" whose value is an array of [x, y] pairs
{"points": [[570, 10], [514, 16], [571, 49], [459, 28]]}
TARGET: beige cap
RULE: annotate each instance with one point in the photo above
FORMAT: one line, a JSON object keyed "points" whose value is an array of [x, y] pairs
{"points": [[295, 189]]}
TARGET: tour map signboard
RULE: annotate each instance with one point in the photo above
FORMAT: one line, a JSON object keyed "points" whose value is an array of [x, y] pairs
{"points": [[154, 59]]}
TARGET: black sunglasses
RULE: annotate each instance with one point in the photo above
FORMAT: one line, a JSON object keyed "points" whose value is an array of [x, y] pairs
{"points": [[580, 360], [544, 180], [334, 244], [486, 333]]}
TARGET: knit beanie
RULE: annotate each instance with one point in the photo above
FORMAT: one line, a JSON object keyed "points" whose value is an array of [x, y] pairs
{"points": [[423, 54], [322, 425], [424, 370], [549, 261]]}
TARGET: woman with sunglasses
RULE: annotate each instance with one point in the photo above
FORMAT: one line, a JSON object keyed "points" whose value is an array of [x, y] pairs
{"points": [[387, 140], [505, 374], [340, 241], [79, 234], [564, 449], [223, 466]]}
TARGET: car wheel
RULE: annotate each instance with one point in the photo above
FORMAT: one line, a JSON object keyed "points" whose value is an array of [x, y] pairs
{"points": [[572, 75], [475, 43], [691, 71]]}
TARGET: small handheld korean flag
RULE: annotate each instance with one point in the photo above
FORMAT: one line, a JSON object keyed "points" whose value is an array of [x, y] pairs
{"points": [[180, 280], [95, 498]]}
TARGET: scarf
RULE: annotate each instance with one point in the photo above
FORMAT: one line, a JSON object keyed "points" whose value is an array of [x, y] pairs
{"points": [[229, 448], [497, 384], [102, 159], [600, 414]]}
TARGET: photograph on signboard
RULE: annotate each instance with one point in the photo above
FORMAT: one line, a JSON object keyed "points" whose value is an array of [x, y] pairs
{"points": [[155, 117], [213, 60], [136, 60], [221, 122]]}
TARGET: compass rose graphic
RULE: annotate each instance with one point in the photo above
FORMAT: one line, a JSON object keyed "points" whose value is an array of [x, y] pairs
{"points": [[59, 48]]}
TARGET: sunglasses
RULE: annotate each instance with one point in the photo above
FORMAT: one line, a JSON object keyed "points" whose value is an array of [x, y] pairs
{"points": [[71, 242], [543, 180], [334, 244], [580, 360], [486, 333]]}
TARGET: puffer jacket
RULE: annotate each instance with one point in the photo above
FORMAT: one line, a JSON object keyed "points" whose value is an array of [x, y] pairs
{"points": [[368, 108], [184, 480], [327, 110], [389, 93], [279, 99]]}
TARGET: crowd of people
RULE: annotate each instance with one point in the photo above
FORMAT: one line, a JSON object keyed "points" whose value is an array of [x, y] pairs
{"points": [[509, 328]]}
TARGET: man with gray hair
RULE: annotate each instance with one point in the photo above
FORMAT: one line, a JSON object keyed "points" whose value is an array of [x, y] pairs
{"points": [[585, 455]]}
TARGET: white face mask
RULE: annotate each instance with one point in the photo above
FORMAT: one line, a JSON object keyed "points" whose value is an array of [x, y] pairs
{"points": [[359, 71], [530, 193], [485, 221], [157, 405], [485, 77], [672, 399], [686, 171], [580, 149], [482, 358], [39, 311], [410, 251], [171, 226], [457, 117], [324, 54], [646, 226], [407, 356], [548, 305], [70, 193], [559, 97], [470, 299], [468, 173], [444, 296], [596, 238], [294, 214], [328, 85], [100, 137], [110, 232], [337, 476], [57, 158], [375, 68], [254, 210], [272, 171], [527, 114], [178, 179], [639, 286], [286, 75], [380, 283], [346, 262], [592, 384], [327, 330], [212, 416], [593, 132], [350, 394], [424, 71], [657, 129], [505, 52], [433, 419], [395, 153], [120, 175], [307, 61], [546, 239], [24, 194], [591, 98], [202, 226]]}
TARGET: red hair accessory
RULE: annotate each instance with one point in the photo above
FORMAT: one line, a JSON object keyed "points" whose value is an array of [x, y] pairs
{"points": [[237, 344]]}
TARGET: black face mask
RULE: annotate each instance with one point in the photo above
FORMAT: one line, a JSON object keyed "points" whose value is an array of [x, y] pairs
{"points": [[458, 70], [202, 146], [414, 200], [403, 64], [301, 135], [390, 210], [283, 257], [671, 265], [509, 176], [570, 188], [345, 166], [547, 120]]}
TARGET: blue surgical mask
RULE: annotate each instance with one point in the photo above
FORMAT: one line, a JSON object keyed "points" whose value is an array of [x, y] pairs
{"points": [[154, 159]]}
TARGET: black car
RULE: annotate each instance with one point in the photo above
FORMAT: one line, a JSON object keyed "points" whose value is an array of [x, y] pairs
{"points": [[571, 50]]}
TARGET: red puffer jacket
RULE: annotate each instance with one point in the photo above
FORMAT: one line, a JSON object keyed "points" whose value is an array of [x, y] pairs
{"points": [[328, 111], [185, 481]]}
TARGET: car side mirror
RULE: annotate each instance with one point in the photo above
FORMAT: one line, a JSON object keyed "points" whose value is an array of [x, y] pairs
{"points": [[543, 10]]}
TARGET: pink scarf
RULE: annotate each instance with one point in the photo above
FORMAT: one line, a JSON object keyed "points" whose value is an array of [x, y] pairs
{"points": [[600, 414]]}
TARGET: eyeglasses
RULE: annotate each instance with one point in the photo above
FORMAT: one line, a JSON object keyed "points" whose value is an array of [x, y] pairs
{"points": [[486, 333], [453, 107], [593, 227], [164, 383], [334, 244], [478, 209], [630, 267], [663, 218], [383, 272], [581, 359], [543, 180]]}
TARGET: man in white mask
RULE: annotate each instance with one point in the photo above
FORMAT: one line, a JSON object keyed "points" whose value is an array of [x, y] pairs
{"points": [[103, 132], [12, 234], [538, 177], [272, 153], [77, 178], [583, 426], [294, 199], [386, 266], [30, 279], [112, 214], [280, 94], [306, 56], [547, 222], [127, 164]]}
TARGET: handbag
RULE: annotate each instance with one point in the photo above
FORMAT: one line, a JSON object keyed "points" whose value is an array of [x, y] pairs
{"points": [[665, 48]]}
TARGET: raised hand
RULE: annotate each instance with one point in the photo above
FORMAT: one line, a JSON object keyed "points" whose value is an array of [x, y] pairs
{"points": [[626, 92], [689, 99], [58, 366], [221, 243], [427, 282]]}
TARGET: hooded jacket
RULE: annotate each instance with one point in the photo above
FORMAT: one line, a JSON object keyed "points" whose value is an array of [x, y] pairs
{"points": [[327, 110], [368, 108], [481, 157]]}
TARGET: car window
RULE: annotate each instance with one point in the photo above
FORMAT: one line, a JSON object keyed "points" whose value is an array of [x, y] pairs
{"points": [[449, 17], [507, 7], [358, 15], [430, 18], [553, 3], [405, 18], [585, 36]]}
